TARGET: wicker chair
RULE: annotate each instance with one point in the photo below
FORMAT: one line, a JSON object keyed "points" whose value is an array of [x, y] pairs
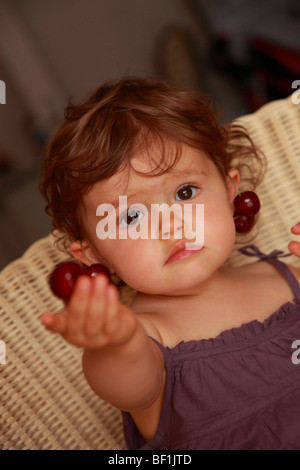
{"points": [[45, 402]]}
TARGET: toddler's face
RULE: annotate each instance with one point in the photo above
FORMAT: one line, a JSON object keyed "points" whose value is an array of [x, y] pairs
{"points": [[143, 263]]}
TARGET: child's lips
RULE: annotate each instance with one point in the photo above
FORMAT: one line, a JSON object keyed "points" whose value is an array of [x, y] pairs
{"points": [[179, 251]]}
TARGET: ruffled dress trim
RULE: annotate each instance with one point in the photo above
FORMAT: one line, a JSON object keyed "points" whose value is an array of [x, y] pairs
{"points": [[243, 335]]}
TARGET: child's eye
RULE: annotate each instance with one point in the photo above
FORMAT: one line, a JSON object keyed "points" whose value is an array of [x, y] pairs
{"points": [[186, 192], [130, 217]]}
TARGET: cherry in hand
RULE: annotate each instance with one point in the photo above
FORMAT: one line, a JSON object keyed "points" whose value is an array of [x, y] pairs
{"points": [[246, 206], [95, 269], [64, 276]]}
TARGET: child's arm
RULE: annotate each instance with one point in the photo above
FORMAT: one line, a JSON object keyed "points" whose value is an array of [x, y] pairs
{"points": [[122, 365]]}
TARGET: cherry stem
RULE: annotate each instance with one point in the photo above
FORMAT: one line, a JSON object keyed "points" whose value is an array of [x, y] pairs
{"points": [[237, 189], [88, 262]]}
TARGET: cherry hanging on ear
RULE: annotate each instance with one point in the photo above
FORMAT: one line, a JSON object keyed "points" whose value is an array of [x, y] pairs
{"points": [[93, 269], [243, 224], [247, 205]]}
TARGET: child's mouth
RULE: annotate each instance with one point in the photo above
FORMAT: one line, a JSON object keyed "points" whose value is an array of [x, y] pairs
{"points": [[180, 252]]}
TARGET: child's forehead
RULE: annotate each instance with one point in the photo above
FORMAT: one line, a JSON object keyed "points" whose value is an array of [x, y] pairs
{"points": [[144, 165]]}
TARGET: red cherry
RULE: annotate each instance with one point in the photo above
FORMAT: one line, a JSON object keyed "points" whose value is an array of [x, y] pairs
{"points": [[63, 278], [247, 203], [243, 224], [95, 269]]}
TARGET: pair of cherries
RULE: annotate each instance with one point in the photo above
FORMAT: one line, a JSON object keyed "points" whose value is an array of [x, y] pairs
{"points": [[246, 205], [64, 276]]}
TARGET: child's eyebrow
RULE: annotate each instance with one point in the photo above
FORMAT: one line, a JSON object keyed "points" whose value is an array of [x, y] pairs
{"points": [[185, 174], [115, 203]]}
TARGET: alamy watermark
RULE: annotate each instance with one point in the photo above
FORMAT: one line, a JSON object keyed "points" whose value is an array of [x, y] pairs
{"points": [[296, 93], [183, 226], [2, 352], [296, 354], [2, 92]]}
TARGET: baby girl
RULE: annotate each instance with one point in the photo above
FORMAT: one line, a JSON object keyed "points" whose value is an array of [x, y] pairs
{"points": [[201, 359]]}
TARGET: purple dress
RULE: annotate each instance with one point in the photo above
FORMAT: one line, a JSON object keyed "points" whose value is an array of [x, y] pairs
{"points": [[239, 391]]}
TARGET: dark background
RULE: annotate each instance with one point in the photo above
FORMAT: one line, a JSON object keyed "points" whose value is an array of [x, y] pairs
{"points": [[243, 52]]}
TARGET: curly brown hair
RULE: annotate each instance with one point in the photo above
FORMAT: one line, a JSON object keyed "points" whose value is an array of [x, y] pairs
{"points": [[100, 135]]}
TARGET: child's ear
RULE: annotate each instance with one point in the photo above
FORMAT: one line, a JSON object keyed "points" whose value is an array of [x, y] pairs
{"points": [[84, 253], [233, 182]]}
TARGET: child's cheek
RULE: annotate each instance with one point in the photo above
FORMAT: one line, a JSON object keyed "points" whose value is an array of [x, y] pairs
{"points": [[218, 221], [139, 263]]}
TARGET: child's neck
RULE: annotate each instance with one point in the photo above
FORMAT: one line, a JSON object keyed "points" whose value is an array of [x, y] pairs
{"points": [[202, 291]]}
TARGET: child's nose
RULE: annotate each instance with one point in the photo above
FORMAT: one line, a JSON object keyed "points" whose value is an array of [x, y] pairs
{"points": [[170, 226], [168, 234]]}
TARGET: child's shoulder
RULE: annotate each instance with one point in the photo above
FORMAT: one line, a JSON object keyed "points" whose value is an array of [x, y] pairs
{"points": [[295, 271], [264, 267], [264, 273]]}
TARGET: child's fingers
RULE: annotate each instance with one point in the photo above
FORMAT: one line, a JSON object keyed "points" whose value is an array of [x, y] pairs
{"points": [[296, 229], [294, 248], [112, 317], [96, 313], [56, 323], [91, 317], [78, 304]]}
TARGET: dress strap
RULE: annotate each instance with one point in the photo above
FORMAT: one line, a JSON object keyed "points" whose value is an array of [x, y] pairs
{"points": [[252, 250]]}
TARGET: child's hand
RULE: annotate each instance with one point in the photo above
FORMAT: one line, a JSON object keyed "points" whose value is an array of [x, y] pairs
{"points": [[93, 318], [294, 246]]}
